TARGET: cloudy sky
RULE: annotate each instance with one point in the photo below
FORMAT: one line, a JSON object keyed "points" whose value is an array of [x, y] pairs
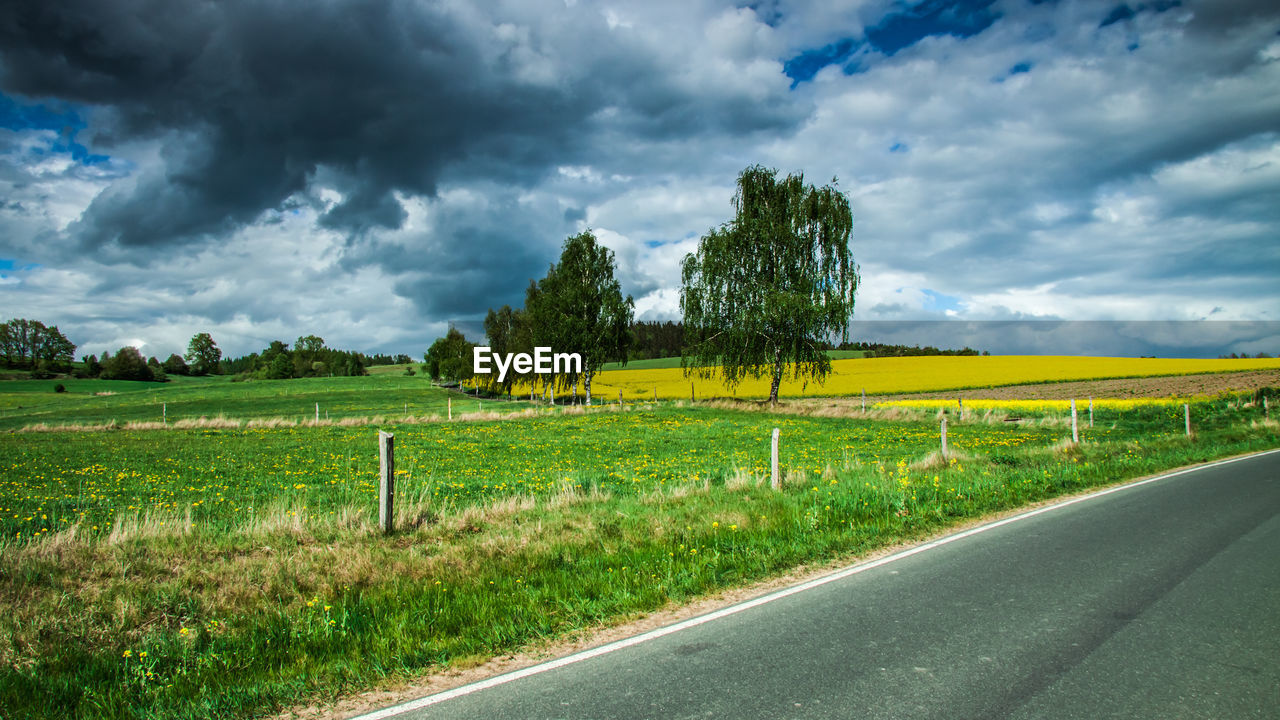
{"points": [[369, 170]]}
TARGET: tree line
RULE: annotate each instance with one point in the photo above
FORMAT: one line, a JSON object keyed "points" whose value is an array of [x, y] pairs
{"points": [[128, 363], [887, 350], [309, 357], [45, 351], [765, 294], [577, 307], [31, 345]]}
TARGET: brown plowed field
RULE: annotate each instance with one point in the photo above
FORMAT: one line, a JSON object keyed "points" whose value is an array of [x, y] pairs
{"points": [[1174, 385]]}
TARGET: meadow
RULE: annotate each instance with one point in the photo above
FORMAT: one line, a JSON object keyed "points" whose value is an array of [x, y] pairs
{"points": [[95, 402], [235, 570]]}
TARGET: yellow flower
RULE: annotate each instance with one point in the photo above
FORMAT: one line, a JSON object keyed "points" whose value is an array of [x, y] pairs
{"points": [[127, 653]]}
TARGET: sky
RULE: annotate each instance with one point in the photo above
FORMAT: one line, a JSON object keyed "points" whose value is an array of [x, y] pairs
{"points": [[371, 170]]}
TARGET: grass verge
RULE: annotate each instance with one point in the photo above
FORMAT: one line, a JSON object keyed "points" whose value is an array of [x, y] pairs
{"points": [[243, 619]]}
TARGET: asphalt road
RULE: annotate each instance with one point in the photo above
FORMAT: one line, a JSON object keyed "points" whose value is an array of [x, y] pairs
{"points": [[1160, 600]]}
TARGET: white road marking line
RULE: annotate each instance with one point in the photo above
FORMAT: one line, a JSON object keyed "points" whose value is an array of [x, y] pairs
{"points": [[763, 599]]}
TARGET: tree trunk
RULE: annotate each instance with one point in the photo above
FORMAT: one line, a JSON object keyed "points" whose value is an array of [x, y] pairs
{"points": [[777, 377], [586, 385]]}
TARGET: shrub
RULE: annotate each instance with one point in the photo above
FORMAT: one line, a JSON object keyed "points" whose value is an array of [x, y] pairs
{"points": [[59, 388]]}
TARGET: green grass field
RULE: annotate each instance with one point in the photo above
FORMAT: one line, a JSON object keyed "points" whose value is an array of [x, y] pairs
{"points": [[27, 402], [235, 571]]}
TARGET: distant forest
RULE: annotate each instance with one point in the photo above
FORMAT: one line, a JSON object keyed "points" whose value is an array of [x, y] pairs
{"points": [[883, 350], [665, 339]]}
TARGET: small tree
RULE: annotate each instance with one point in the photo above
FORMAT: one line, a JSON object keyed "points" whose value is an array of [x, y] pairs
{"points": [[579, 308], [175, 365], [203, 354], [766, 291], [126, 364], [450, 357], [501, 327], [157, 371]]}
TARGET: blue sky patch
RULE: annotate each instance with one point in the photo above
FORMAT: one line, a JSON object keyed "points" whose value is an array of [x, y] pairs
{"points": [[1123, 12], [937, 302], [958, 18], [898, 147], [894, 32], [807, 64], [66, 122], [1022, 67]]}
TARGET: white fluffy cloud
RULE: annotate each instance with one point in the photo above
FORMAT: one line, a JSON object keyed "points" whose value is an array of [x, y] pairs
{"points": [[1067, 160]]}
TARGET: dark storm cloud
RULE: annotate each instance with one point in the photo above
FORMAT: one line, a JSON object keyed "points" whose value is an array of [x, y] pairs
{"points": [[252, 99], [260, 94]]}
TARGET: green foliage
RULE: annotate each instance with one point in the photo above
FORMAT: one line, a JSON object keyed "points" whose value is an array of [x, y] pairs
{"points": [[92, 368], [175, 365], [157, 371], [766, 292], [506, 330], [203, 354], [450, 357], [656, 340], [579, 308], [25, 343], [280, 368], [126, 364]]}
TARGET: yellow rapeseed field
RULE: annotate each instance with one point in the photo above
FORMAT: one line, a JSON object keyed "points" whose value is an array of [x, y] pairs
{"points": [[915, 374]]}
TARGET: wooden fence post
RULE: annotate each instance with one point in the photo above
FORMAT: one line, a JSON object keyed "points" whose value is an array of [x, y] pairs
{"points": [[655, 393], [450, 401], [1266, 411], [1075, 429], [1186, 411], [944, 438], [864, 399], [773, 460], [693, 394], [619, 398], [317, 413], [386, 480], [1090, 412], [961, 403], [164, 413]]}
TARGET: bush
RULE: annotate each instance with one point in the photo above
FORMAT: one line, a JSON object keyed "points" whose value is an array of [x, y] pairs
{"points": [[409, 371], [43, 371], [126, 364], [59, 388]]}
